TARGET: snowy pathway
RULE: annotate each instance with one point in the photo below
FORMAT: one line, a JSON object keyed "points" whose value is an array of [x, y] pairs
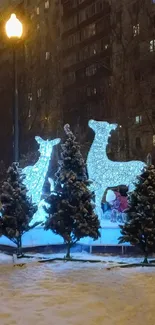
{"points": [[76, 294]]}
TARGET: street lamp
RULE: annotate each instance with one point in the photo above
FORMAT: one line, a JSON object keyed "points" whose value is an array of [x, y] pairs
{"points": [[14, 31]]}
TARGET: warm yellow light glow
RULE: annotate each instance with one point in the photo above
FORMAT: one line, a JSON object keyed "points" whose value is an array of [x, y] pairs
{"points": [[14, 27]]}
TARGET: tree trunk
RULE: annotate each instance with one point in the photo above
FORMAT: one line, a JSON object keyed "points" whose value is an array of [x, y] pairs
{"points": [[127, 149], [19, 246], [146, 258], [68, 250]]}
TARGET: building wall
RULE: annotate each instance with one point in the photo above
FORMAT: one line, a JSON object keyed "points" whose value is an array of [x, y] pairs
{"points": [[134, 76], [108, 70], [42, 61], [86, 61], [82, 59]]}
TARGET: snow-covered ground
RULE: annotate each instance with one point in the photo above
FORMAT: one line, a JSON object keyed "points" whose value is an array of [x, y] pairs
{"points": [[107, 259], [108, 224], [76, 293]]}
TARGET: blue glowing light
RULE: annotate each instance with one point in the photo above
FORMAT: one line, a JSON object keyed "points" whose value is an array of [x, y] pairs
{"points": [[36, 174], [40, 214], [103, 172]]}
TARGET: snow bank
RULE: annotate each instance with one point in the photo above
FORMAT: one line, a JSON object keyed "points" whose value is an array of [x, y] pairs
{"points": [[76, 293], [107, 259]]}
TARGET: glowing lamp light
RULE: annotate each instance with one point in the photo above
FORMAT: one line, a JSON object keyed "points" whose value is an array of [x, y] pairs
{"points": [[13, 27]]}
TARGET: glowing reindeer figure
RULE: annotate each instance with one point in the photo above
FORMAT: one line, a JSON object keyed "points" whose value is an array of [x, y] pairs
{"points": [[35, 175], [103, 172]]}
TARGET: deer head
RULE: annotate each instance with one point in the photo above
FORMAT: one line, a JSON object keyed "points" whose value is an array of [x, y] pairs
{"points": [[46, 146], [101, 128]]}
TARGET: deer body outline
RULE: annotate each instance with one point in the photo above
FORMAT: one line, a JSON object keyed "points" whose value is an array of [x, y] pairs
{"points": [[35, 175], [103, 172]]}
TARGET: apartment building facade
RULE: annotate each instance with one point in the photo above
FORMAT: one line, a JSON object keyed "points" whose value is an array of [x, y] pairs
{"points": [[86, 55], [108, 69], [83, 59], [133, 33], [43, 73]]}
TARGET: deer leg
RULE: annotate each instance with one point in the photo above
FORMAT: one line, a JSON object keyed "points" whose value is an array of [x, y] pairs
{"points": [[131, 187], [98, 200]]}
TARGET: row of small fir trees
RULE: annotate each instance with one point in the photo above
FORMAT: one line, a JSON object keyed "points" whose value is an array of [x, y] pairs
{"points": [[139, 228], [71, 211]]}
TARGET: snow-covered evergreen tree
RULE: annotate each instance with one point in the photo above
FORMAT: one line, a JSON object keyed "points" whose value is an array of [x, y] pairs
{"points": [[17, 210], [71, 212], [139, 229]]}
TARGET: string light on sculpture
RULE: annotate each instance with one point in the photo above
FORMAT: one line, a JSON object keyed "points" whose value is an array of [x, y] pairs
{"points": [[103, 172], [35, 175]]}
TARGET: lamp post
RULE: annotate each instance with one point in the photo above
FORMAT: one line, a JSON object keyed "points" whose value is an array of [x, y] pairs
{"points": [[14, 31]]}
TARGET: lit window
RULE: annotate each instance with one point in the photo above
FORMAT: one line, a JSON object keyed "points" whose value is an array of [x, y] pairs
{"points": [[136, 30], [47, 4], [106, 46], [91, 29], [94, 91], [30, 97], [138, 119], [152, 45], [138, 143], [39, 92], [30, 125], [38, 26], [29, 113], [47, 55], [91, 91], [37, 10], [91, 70], [154, 134]]}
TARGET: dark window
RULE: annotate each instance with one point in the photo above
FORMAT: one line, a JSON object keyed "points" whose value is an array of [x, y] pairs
{"points": [[138, 143], [153, 115], [153, 21], [153, 92], [135, 7], [118, 16], [137, 75]]}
